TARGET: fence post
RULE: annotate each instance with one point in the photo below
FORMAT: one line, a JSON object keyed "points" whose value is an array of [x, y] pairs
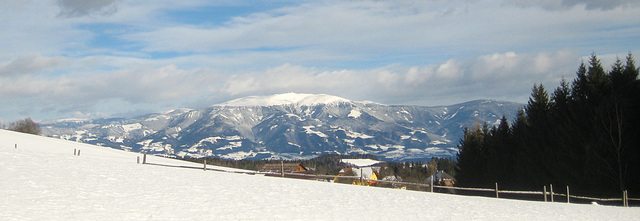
{"points": [[138, 161], [16, 146], [431, 183], [625, 198], [74, 152], [496, 189], [551, 191], [282, 167], [544, 193], [567, 194], [78, 152], [361, 181], [144, 158], [205, 165]]}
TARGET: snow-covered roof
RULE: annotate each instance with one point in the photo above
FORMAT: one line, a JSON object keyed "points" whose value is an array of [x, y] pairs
{"points": [[360, 162], [366, 172]]}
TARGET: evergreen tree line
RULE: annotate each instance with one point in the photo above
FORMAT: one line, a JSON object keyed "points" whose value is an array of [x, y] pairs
{"points": [[585, 134]]}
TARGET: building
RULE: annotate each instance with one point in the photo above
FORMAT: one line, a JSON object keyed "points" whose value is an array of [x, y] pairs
{"points": [[441, 178], [279, 167], [370, 173], [393, 181]]}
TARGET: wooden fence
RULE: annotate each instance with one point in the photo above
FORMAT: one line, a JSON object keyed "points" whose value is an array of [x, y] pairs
{"points": [[548, 195], [544, 195]]}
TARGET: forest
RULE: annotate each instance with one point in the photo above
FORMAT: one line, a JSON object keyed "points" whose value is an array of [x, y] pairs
{"points": [[585, 134]]}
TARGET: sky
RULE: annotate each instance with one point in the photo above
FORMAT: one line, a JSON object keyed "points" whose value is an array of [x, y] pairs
{"points": [[117, 58]]}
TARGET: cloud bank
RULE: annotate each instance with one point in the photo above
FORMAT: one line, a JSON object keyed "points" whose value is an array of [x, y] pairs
{"points": [[507, 76], [67, 58]]}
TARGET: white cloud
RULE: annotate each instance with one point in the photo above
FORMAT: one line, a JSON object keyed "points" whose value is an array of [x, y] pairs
{"points": [[507, 76], [391, 29], [32, 27], [134, 86], [340, 25], [447, 70], [288, 78], [386, 78]]}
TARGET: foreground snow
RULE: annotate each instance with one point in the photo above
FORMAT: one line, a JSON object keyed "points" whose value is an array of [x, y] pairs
{"points": [[42, 179]]}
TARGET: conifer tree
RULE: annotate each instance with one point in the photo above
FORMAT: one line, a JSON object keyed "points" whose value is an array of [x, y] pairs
{"points": [[471, 168]]}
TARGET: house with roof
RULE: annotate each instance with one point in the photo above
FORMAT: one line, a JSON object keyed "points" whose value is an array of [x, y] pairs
{"points": [[359, 174], [393, 181], [441, 178]]}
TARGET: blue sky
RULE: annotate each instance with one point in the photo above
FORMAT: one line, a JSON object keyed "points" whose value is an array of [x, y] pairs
{"points": [[108, 58]]}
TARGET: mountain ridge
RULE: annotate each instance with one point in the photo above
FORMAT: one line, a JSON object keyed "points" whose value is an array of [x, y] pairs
{"points": [[323, 124]]}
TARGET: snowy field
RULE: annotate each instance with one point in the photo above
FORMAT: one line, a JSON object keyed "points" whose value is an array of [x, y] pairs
{"points": [[43, 180]]}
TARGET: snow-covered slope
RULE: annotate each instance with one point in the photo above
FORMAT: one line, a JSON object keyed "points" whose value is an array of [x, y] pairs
{"points": [[43, 180], [285, 99]]}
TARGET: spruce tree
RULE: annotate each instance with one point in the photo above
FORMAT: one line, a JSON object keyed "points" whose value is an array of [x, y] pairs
{"points": [[471, 159]]}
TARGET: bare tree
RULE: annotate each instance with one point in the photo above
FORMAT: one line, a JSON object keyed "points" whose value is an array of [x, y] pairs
{"points": [[25, 126]]}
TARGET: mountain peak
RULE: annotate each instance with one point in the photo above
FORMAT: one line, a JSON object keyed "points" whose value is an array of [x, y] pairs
{"points": [[285, 99]]}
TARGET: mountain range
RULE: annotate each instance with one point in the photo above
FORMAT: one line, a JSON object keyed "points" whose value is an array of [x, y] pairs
{"points": [[290, 126]]}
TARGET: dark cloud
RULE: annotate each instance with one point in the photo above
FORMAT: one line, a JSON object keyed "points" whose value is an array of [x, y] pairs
{"points": [[555, 5], [79, 8], [29, 64]]}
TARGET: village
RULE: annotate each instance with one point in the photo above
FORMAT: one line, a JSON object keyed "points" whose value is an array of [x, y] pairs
{"points": [[364, 172]]}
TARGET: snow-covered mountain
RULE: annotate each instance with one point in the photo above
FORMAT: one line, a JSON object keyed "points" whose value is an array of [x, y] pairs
{"points": [[291, 126]]}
